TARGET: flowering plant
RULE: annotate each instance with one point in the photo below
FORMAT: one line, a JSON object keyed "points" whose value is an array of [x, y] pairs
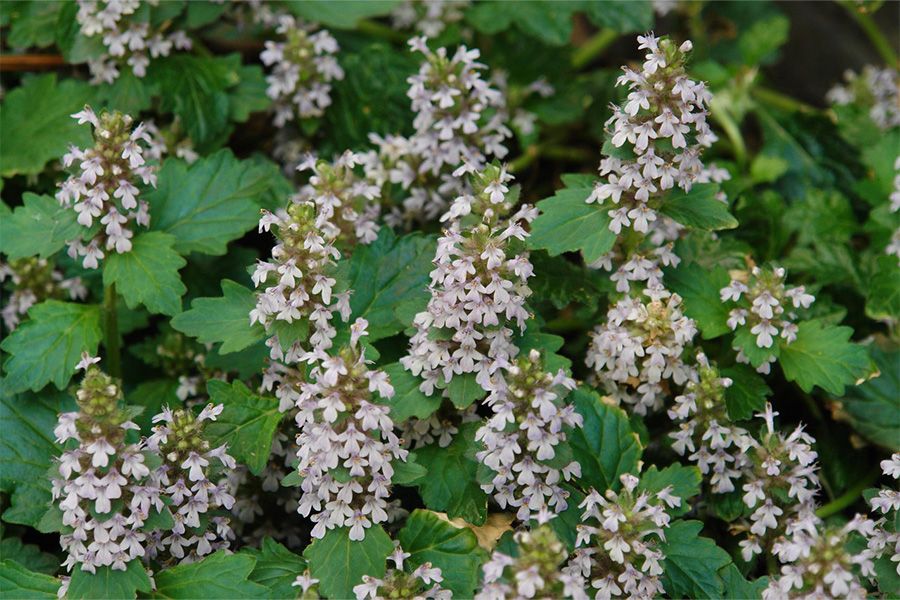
{"points": [[448, 298]]}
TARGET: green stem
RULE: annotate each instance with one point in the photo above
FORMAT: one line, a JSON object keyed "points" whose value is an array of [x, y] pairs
{"points": [[379, 30], [530, 155], [111, 321], [875, 35], [848, 497], [732, 131], [784, 102], [593, 47]]}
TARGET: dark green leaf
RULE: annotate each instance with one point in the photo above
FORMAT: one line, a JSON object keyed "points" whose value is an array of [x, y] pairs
{"points": [[47, 346], [225, 319], [567, 223], [883, 296], [276, 568], [622, 16], [747, 393], [109, 583], [340, 563], [18, 582], [342, 15], [738, 588], [29, 556], [218, 576], [464, 390], [692, 562], [247, 424], [453, 550], [699, 208], [152, 396], [408, 400], [33, 24], [873, 407], [148, 274], [39, 227], [823, 356], [684, 481]]}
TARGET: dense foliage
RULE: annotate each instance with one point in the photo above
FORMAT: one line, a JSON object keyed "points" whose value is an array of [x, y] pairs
{"points": [[407, 299]]}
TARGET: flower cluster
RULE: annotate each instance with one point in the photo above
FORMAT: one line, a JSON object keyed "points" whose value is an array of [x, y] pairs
{"points": [[664, 125], [127, 39], [295, 281], [705, 431], [780, 483], [103, 502], [31, 281], [886, 504], [618, 543], [186, 476], [399, 582], [478, 287], [640, 347], [302, 69], [875, 88], [520, 439], [459, 119], [819, 561], [346, 443], [343, 197], [105, 187], [535, 572], [429, 17], [762, 297]]}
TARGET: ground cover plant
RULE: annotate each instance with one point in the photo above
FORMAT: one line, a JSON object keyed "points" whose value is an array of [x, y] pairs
{"points": [[403, 299]]}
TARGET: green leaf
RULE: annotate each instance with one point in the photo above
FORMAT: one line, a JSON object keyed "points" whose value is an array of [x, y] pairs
{"points": [[148, 274], [567, 223], [823, 356], [16, 581], [195, 92], [29, 556], [746, 341], [453, 550], [225, 319], [341, 15], [759, 43], [27, 450], [340, 563], [699, 208], [128, 93], [747, 393], [39, 227], [464, 390], [49, 344], [883, 295], [247, 424], [152, 396], [873, 407], [203, 12], [33, 24], [738, 588], [276, 568], [547, 21], [36, 125], [684, 481], [692, 562], [451, 485], [218, 576], [110, 583], [562, 282], [409, 471], [380, 274], [622, 16], [249, 96], [545, 343], [408, 400], [209, 203], [606, 447]]}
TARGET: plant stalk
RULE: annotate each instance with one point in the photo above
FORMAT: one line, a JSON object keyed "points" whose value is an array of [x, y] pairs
{"points": [[593, 47], [875, 35], [111, 329], [848, 497]]}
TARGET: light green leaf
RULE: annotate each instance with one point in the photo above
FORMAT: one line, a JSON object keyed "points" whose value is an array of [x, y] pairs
{"points": [[684, 481], [39, 227], [16, 581], [567, 223], [622, 16], [873, 407], [823, 356], [451, 485], [36, 125], [699, 208], [883, 295], [225, 319], [276, 568], [33, 24], [109, 583], [339, 563], [218, 576], [408, 400], [692, 562], [341, 15], [452, 549], [47, 346], [606, 446], [738, 588], [699, 288], [464, 390], [387, 270], [247, 424], [27, 450], [148, 274], [209, 203], [409, 471], [747, 393]]}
